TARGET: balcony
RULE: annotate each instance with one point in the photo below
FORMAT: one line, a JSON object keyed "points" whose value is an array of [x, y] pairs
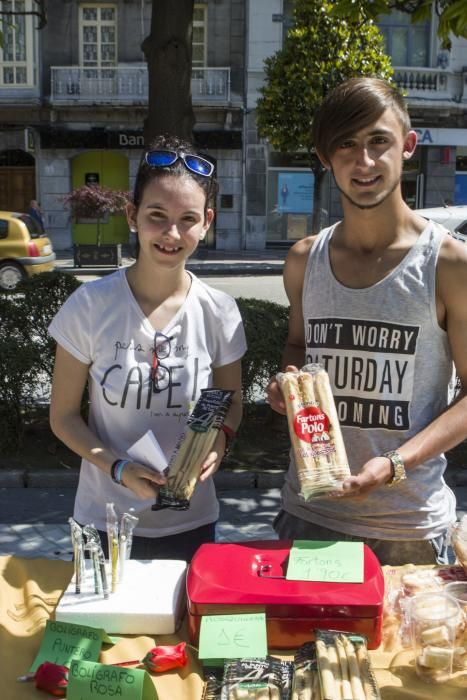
{"points": [[128, 84], [433, 84]]}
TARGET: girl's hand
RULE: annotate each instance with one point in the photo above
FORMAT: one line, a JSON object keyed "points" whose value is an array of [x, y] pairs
{"points": [[143, 481], [212, 462]]}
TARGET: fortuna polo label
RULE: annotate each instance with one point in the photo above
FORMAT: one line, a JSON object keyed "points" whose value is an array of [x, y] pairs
{"points": [[311, 425]]}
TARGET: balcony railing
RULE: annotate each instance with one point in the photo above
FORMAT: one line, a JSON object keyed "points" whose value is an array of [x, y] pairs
{"points": [[129, 85], [428, 83]]}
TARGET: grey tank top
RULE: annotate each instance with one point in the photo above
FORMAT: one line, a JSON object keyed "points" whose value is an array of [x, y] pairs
{"points": [[391, 370]]}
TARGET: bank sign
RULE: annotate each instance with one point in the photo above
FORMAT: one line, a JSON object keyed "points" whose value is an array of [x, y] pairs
{"points": [[441, 137]]}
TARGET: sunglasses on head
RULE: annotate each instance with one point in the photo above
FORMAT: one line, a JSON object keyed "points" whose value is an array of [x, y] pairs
{"points": [[161, 158]]}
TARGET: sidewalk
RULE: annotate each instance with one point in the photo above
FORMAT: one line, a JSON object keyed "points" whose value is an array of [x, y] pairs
{"points": [[205, 262], [245, 514], [34, 519]]}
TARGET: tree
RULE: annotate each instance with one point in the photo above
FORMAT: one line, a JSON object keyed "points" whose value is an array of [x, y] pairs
{"points": [[168, 51], [452, 13], [318, 54], [95, 202]]}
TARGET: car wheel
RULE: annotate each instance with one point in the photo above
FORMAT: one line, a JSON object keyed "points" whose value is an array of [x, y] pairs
{"points": [[10, 275]]}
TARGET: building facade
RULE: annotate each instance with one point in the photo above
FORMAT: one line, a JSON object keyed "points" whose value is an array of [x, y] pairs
{"points": [[73, 99], [279, 210], [74, 95]]}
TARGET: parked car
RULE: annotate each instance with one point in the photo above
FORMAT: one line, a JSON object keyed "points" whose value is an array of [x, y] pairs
{"points": [[25, 249], [453, 218]]}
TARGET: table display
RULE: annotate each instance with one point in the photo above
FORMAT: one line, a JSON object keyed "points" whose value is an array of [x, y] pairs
{"points": [[31, 588]]}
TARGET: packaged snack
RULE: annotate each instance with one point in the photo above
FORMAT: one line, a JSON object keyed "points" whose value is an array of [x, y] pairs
{"points": [[459, 541], [257, 679], [305, 683], [344, 666], [315, 433], [197, 441]]}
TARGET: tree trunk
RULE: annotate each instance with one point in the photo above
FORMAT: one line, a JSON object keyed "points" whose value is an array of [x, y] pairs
{"points": [[168, 51]]}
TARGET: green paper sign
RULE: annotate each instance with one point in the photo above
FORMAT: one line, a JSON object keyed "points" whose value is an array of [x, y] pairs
{"points": [[64, 641], [339, 562], [90, 680], [240, 636]]}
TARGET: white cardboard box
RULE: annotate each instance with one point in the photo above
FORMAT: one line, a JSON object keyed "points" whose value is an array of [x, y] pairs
{"points": [[150, 600]]}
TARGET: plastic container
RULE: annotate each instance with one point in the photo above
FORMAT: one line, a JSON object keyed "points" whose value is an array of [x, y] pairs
{"points": [[458, 591], [435, 622]]}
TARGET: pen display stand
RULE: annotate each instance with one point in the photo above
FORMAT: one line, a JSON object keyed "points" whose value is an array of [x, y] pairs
{"points": [[149, 600]]}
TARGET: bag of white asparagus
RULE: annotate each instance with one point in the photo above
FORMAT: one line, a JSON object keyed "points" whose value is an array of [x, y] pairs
{"points": [[459, 541], [344, 667], [196, 442], [315, 433]]}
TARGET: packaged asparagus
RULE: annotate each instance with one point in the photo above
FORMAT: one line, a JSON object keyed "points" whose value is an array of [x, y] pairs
{"points": [[344, 667], [195, 444], [257, 679], [305, 684], [315, 433]]}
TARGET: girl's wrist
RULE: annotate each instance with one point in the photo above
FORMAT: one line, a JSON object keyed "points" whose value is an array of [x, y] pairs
{"points": [[116, 470]]}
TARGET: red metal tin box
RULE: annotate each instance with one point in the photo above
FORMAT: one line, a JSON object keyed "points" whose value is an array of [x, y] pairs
{"points": [[250, 577]]}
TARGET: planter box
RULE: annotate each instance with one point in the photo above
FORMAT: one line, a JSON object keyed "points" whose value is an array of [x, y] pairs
{"points": [[89, 255]]}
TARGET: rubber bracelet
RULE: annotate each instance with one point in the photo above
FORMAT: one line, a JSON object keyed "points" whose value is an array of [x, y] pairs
{"points": [[230, 436], [116, 470]]}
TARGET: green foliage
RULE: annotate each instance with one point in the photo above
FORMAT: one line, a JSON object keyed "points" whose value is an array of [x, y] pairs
{"points": [[318, 53], [452, 13], [266, 326], [26, 350]]}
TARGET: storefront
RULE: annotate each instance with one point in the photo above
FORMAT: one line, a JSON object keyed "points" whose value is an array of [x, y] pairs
{"points": [[68, 158]]}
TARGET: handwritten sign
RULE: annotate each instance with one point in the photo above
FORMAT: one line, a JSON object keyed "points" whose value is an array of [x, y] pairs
{"points": [[92, 680], [64, 641], [239, 636], [340, 562]]}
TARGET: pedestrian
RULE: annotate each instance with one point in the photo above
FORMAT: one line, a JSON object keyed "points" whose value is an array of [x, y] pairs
{"points": [[35, 212], [148, 338], [378, 300]]}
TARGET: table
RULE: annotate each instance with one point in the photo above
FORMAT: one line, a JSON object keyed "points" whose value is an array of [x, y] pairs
{"points": [[31, 588]]}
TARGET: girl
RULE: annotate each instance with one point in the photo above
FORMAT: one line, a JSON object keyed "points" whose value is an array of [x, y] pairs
{"points": [[148, 338]]}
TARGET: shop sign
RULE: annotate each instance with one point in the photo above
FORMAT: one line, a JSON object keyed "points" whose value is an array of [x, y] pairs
{"points": [[441, 137], [126, 140]]}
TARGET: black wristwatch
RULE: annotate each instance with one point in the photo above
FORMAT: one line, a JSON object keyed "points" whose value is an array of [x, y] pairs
{"points": [[397, 466]]}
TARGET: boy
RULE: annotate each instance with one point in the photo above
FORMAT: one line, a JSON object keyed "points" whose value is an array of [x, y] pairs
{"points": [[379, 300]]}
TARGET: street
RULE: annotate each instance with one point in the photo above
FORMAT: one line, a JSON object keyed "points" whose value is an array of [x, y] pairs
{"points": [[269, 287]]}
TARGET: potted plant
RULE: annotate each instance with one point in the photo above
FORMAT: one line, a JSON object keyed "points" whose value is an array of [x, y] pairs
{"points": [[93, 204]]}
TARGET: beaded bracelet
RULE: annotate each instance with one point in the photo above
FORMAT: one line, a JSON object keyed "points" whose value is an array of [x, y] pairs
{"points": [[116, 470]]}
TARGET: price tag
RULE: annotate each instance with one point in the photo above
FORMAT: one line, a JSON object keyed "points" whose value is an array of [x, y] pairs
{"points": [[233, 636], [339, 562], [64, 641]]}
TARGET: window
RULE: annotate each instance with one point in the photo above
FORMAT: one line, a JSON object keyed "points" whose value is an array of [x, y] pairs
{"points": [[3, 228], [17, 53], [407, 44], [98, 36], [199, 36]]}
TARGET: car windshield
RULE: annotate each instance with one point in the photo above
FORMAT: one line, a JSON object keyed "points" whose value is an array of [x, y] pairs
{"points": [[33, 226]]}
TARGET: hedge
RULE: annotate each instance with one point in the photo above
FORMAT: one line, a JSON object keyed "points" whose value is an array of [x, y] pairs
{"points": [[27, 351]]}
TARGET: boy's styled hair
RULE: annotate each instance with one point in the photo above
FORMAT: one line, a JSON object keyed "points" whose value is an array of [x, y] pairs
{"points": [[354, 105]]}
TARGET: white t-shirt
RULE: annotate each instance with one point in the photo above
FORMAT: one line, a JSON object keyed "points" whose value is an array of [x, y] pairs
{"points": [[101, 324]]}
